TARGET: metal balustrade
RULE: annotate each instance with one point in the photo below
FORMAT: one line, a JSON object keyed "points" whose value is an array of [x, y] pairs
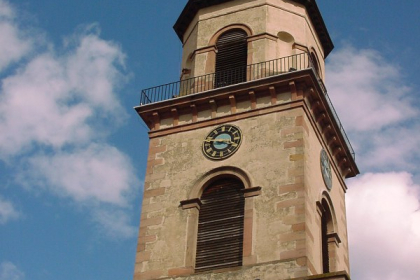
{"points": [[220, 79], [239, 75]]}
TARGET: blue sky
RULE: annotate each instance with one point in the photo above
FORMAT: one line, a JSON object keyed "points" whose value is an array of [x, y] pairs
{"points": [[73, 152]]}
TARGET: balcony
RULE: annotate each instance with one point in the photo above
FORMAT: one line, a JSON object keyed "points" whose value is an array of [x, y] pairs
{"points": [[252, 72], [234, 76]]}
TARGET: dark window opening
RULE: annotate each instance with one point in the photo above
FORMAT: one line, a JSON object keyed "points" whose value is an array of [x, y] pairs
{"points": [[231, 58], [325, 253], [315, 64], [326, 230], [220, 226]]}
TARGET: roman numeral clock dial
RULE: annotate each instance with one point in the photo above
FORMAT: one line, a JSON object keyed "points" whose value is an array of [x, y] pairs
{"points": [[222, 142]]}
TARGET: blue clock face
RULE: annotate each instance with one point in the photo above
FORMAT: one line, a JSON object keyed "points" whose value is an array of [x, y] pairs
{"points": [[222, 142], [326, 169]]}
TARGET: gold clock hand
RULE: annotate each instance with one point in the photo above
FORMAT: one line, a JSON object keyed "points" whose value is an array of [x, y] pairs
{"points": [[219, 140]]}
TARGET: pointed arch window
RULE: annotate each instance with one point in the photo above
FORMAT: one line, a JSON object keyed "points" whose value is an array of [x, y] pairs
{"points": [[221, 226], [231, 58]]}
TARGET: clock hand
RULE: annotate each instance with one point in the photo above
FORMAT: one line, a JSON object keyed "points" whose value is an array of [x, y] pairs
{"points": [[219, 140]]}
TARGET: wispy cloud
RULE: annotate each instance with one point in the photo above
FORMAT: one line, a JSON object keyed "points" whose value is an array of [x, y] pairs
{"points": [[99, 172], [379, 113], [14, 44], [9, 271], [57, 108], [60, 100], [376, 107], [114, 222], [371, 88], [7, 211]]}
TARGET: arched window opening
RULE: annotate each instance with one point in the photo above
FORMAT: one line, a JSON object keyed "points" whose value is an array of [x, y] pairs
{"points": [[221, 226], [327, 229], [315, 64], [231, 58]]}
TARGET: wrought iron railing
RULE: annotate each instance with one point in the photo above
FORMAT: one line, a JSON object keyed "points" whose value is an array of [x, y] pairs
{"points": [[225, 78], [337, 119], [238, 75]]}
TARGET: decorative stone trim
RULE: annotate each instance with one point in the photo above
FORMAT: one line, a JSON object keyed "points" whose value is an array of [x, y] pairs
{"points": [[216, 36], [333, 237], [211, 48], [253, 100], [273, 95], [175, 116], [301, 47], [213, 107], [191, 203], [262, 36], [156, 121], [300, 82], [212, 175], [250, 192], [232, 104], [341, 275]]}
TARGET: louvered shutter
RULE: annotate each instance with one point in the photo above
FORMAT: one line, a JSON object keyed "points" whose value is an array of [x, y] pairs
{"points": [[231, 58], [220, 226], [325, 252]]}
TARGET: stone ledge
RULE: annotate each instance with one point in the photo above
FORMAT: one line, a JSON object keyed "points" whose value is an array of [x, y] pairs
{"points": [[276, 270], [341, 275]]}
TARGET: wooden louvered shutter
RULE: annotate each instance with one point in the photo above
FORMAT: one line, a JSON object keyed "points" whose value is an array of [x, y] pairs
{"points": [[220, 226], [325, 252], [231, 58]]}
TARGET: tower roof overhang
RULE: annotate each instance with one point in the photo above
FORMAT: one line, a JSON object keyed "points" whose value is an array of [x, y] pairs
{"points": [[193, 6]]}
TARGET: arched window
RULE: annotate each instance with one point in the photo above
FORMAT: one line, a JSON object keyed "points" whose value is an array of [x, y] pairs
{"points": [[231, 58], [315, 64], [327, 229], [220, 226]]}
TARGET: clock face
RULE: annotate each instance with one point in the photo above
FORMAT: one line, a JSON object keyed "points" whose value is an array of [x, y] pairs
{"points": [[222, 142], [326, 169]]}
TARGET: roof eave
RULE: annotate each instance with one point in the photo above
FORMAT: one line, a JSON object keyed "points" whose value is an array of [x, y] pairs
{"points": [[193, 6], [189, 12]]}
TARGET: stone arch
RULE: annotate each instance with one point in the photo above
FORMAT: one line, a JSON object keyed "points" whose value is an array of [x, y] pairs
{"points": [[330, 239], [326, 203], [193, 204], [211, 57], [223, 30], [215, 174], [316, 62]]}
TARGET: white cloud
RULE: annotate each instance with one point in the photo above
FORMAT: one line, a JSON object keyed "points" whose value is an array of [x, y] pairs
{"points": [[35, 108], [9, 271], [115, 223], [57, 108], [7, 211], [54, 101], [98, 172], [368, 90], [13, 43], [93, 71], [384, 226], [377, 109], [393, 148]]}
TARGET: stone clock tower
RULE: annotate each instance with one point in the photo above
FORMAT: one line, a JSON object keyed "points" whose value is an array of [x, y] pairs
{"points": [[247, 157]]}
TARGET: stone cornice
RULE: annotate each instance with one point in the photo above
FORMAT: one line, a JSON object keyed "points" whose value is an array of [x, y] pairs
{"points": [[193, 6], [305, 93]]}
